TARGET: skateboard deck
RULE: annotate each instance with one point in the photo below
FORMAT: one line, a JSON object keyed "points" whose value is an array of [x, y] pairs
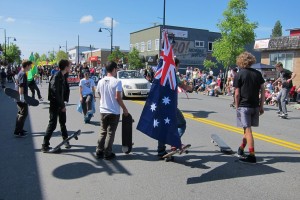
{"points": [[15, 95], [169, 156], [224, 148], [127, 133], [58, 149]]}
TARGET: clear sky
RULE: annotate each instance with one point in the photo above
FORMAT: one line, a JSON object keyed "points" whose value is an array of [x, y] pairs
{"points": [[44, 25]]}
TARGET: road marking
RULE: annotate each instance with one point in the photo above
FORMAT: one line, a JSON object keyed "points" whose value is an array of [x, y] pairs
{"points": [[256, 135]]}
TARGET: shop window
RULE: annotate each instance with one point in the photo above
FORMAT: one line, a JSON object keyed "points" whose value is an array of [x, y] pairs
{"points": [[142, 46], [137, 46], [285, 58], [149, 45], [210, 46], [199, 43]]}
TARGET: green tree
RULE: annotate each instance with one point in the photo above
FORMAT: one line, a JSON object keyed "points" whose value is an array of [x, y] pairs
{"points": [[13, 54], [43, 57], [277, 30], [209, 64], [36, 57], [134, 60], [51, 57], [61, 55], [116, 55], [236, 32]]}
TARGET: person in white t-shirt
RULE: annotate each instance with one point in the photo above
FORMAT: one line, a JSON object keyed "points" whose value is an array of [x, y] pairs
{"points": [[109, 89], [87, 95]]}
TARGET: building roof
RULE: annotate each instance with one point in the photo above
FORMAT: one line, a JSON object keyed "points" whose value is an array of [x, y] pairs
{"points": [[293, 29]]}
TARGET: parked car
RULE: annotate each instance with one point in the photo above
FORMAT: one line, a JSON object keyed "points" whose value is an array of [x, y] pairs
{"points": [[133, 84]]}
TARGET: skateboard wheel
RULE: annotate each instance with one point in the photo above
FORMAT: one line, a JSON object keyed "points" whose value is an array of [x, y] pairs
{"points": [[169, 159]]}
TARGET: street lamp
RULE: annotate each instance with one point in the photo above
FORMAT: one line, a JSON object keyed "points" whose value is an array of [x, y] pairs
{"points": [[111, 34], [12, 38]]}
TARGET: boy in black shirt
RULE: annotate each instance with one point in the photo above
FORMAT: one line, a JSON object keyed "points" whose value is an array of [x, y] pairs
{"points": [[22, 106], [286, 77], [248, 83]]}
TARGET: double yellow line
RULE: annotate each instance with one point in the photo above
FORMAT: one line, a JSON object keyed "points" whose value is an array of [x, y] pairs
{"points": [[259, 136]]}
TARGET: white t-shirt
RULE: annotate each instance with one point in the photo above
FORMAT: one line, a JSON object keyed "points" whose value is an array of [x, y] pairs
{"points": [[87, 86], [108, 87]]}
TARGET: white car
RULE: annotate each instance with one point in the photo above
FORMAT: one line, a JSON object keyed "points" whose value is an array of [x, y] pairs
{"points": [[133, 84]]}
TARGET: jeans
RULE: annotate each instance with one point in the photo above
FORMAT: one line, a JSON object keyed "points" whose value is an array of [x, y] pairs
{"points": [[282, 98], [21, 117], [109, 126], [32, 86], [55, 112], [87, 103]]}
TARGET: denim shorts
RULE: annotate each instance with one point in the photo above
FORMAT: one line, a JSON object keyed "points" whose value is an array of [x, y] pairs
{"points": [[247, 117]]}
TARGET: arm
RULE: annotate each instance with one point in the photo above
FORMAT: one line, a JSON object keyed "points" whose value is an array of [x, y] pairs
{"points": [[58, 92], [121, 103], [262, 99], [237, 97], [80, 93], [292, 77], [185, 86]]}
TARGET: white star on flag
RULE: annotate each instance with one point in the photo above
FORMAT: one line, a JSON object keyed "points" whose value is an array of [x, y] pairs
{"points": [[153, 107], [155, 124], [166, 100], [167, 121]]}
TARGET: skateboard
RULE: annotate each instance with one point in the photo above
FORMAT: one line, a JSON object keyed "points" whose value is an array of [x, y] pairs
{"points": [[15, 95], [57, 149], [127, 133], [224, 148], [169, 157]]}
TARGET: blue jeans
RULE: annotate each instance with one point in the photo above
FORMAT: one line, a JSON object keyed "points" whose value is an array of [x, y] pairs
{"points": [[282, 97], [161, 148]]}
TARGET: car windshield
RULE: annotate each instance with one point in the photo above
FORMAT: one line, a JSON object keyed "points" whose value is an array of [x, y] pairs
{"points": [[129, 74]]}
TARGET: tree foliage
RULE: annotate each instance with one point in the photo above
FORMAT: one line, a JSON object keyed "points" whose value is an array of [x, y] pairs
{"points": [[13, 54], [134, 60], [236, 32], [116, 56], [36, 57], [277, 30], [61, 55], [209, 64]]}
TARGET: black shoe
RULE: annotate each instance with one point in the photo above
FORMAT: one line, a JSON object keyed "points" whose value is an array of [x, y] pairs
{"points": [[161, 154], [249, 159], [67, 145], [111, 156], [99, 154], [24, 131], [20, 135], [241, 153], [45, 148]]}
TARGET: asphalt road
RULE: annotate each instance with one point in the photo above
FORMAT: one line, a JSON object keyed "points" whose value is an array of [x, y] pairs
{"points": [[204, 173]]}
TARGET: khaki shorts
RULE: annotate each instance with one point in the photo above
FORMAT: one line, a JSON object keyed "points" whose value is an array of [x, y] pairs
{"points": [[247, 117]]}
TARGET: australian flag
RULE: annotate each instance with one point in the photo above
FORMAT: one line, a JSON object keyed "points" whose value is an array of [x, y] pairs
{"points": [[158, 119]]}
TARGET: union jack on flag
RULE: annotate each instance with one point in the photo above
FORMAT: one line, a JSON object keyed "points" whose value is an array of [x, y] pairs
{"points": [[158, 119]]}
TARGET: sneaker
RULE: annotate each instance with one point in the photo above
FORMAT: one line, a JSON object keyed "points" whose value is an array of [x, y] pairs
{"points": [[173, 148], [161, 154], [99, 154], [41, 99], [45, 148], [20, 135], [278, 112], [67, 145], [111, 156], [283, 115], [248, 159], [240, 152], [24, 131]]}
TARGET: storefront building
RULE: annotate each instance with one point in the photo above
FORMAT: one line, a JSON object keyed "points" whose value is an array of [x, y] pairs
{"points": [[284, 49], [191, 46]]}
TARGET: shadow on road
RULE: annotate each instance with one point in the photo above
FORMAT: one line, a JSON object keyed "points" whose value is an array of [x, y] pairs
{"points": [[19, 173]]}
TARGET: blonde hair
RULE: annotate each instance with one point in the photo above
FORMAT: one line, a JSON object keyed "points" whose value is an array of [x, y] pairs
{"points": [[245, 60]]}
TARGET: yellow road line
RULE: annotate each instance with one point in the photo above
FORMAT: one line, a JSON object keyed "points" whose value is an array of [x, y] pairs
{"points": [[256, 135]]}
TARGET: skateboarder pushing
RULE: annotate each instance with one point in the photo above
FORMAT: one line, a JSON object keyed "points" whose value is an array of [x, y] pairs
{"points": [[248, 83], [22, 106], [57, 95]]}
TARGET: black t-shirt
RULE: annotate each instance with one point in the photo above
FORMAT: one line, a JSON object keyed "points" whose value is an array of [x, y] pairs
{"points": [[22, 81], [285, 75], [249, 81]]}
